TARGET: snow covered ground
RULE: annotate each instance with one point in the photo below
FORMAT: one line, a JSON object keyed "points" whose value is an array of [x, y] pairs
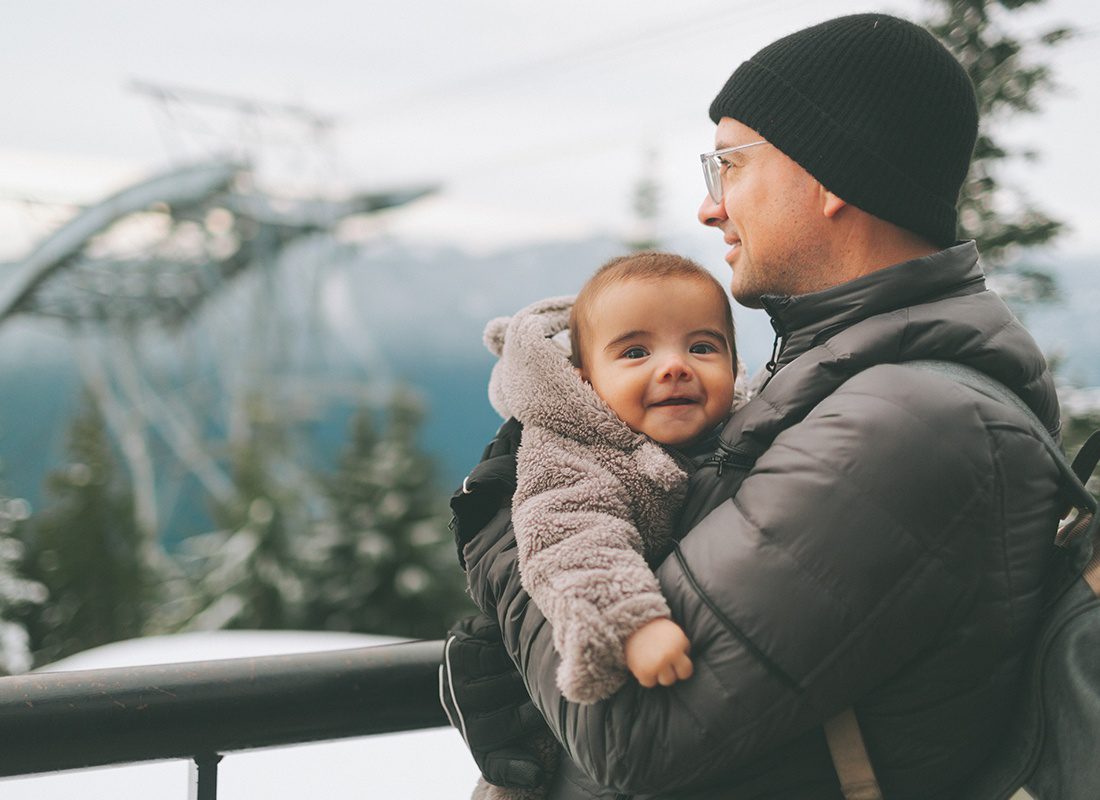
{"points": [[420, 764]]}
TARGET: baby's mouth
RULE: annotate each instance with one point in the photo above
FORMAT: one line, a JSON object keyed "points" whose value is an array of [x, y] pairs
{"points": [[675, 401]]}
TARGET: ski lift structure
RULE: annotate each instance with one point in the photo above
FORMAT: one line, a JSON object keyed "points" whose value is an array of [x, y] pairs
{"points": [[140, 279]]}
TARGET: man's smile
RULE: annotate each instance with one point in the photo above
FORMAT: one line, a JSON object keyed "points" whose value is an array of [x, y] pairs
{"points": [[735, 247]]}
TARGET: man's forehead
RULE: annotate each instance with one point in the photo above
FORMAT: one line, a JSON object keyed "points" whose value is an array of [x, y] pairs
{"points": [[731, 133]]}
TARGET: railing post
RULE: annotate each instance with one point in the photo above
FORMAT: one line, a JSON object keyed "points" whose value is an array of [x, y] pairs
{"points": [[204, 777]]}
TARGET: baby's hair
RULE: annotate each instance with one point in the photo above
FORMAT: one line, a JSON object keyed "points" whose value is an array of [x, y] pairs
{"points": [[646, 265]]}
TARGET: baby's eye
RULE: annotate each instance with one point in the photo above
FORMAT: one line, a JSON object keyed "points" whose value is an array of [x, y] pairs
{"points": [[635, 352], [703, 347]]}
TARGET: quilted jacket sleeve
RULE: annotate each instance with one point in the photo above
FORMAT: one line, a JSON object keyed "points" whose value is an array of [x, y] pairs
{"points": [[843, 554], [581, 561]]}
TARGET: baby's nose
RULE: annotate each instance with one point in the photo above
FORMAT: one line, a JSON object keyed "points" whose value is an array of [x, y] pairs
{"points": [[675, 368]]}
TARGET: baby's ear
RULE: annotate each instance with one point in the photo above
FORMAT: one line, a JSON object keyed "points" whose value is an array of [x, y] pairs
{"points": [[494, 335]]}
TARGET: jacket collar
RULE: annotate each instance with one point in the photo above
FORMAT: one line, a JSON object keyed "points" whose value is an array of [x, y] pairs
{"points": [[803, 321]]}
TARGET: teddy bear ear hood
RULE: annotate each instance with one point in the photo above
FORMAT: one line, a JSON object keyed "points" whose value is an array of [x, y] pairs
{"points": [[528, 344], [493, 337]]}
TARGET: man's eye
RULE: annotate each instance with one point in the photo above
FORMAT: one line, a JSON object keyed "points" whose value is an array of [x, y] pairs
{"points": [[635, 352]]}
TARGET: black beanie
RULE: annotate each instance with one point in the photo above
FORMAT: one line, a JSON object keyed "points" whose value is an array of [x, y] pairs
{"points": [[872, 106]]}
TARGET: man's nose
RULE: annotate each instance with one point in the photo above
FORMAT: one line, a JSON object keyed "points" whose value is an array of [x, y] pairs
{"points": [[711, 213]]}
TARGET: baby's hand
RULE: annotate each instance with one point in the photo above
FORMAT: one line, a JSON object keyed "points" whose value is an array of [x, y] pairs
{"points": [[658, 653]]}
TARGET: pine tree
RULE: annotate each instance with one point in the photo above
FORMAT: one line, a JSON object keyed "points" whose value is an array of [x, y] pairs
{"points": [[385, 561], [18, 595], [1009, 82], [646, 205], [247, 574], [87, 552]]}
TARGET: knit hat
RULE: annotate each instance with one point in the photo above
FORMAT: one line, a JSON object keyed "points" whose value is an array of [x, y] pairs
{"points": [[872, 106]]}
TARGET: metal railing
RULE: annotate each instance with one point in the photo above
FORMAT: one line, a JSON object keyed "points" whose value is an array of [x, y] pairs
{"points": [[199, 710]]}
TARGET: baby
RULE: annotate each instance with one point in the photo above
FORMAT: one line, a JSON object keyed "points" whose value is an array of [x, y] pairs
{"points": [[610, 425]]}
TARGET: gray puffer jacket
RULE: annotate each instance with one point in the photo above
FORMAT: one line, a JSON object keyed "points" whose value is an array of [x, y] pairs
{"points": [[887, 550]]}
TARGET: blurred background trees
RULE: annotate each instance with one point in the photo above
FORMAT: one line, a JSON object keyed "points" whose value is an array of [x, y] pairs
{"points": [[84, 548], [20, 598], [1011, 79], [384, 560], [370, 553], [1007, 64]]}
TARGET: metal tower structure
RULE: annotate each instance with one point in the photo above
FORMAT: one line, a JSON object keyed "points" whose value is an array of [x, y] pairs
{"points": [[171, 291]]}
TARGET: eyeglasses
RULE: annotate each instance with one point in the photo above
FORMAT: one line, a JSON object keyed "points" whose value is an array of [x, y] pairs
{"points": [[712, 168]]}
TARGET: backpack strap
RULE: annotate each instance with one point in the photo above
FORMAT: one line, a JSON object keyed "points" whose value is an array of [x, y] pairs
{"points": [[853, 765], [1084, 463], [845, 740]]}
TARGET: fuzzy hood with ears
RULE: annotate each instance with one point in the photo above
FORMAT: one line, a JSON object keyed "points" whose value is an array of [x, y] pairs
{"points": [[593, 500]]}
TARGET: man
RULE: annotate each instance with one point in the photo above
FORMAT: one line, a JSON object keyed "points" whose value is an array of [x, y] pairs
{"points": [[884, 543]]}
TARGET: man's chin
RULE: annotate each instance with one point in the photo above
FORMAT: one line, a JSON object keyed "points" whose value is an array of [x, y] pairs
{"points": [[743, 291], [745, 297]]}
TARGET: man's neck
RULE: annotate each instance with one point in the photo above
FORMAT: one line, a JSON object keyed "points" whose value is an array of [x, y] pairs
{"points": [[873, 244]]}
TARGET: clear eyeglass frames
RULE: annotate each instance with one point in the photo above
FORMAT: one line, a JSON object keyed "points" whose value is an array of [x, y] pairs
{"points": [[712, 168]]}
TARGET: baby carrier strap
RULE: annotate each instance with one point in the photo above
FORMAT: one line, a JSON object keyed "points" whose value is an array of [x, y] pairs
{"points": [[488, 488]]}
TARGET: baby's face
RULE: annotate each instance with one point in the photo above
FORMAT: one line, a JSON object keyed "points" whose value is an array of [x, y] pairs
{"points": [[656, 352]]}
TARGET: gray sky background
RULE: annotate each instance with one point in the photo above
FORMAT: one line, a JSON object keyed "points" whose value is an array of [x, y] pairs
{"points": [[535, 117]]}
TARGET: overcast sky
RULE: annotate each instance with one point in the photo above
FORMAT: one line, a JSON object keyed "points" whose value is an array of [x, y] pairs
{"points": [[535, 117]]}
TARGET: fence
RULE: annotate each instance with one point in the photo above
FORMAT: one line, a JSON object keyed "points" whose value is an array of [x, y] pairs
{"points": [[198, 711]]}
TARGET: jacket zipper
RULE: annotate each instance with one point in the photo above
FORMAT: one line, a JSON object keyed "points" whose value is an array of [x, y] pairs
{"points": [[777, 346], [728, 456]]}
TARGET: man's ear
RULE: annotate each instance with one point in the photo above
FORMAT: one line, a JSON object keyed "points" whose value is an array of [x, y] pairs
{"points": [[831, 204]]}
